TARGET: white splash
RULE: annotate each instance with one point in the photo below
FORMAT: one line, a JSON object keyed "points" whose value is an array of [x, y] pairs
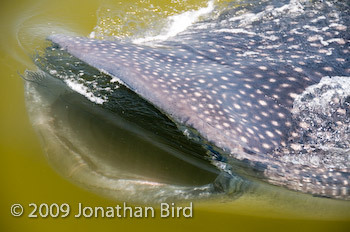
{"points": [[83, 90], [293, 7], [236, 31], [178, 23], [337, 85]]}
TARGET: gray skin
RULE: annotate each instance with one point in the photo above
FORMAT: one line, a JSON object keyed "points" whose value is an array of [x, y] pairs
{"points": [[236, 81]]}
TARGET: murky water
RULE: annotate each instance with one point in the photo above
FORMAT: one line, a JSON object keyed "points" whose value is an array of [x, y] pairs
{"points": [[28, 177]]}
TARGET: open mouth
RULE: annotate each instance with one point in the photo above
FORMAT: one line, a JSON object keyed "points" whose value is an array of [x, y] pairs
{"points": [[126, 149]]}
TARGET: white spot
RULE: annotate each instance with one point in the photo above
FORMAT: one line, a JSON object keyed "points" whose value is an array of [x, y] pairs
{"points": [[262, 102]]}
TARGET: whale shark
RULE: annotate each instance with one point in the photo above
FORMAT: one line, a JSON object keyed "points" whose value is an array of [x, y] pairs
{"points": [[266, 92]]}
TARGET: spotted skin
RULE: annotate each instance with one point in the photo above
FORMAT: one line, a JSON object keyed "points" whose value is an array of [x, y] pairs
{"points": [[235, 82]]}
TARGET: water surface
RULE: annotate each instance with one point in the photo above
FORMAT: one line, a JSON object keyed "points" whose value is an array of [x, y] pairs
{"points": [[25, 172]]}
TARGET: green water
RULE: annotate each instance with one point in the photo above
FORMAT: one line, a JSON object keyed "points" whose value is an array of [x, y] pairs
{"points": [[27, 177]]}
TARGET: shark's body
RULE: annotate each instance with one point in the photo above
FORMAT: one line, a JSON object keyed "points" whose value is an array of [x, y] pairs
{"points": [[235, 81]]}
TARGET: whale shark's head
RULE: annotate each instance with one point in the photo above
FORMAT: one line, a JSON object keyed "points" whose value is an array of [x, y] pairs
{"points": [[262, 93]]}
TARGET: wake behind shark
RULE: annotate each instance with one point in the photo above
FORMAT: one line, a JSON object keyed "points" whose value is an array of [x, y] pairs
{"points": [[248, 84]]}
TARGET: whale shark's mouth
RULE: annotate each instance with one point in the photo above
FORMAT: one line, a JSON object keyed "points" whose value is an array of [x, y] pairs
{"points": [[126, 149]]}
